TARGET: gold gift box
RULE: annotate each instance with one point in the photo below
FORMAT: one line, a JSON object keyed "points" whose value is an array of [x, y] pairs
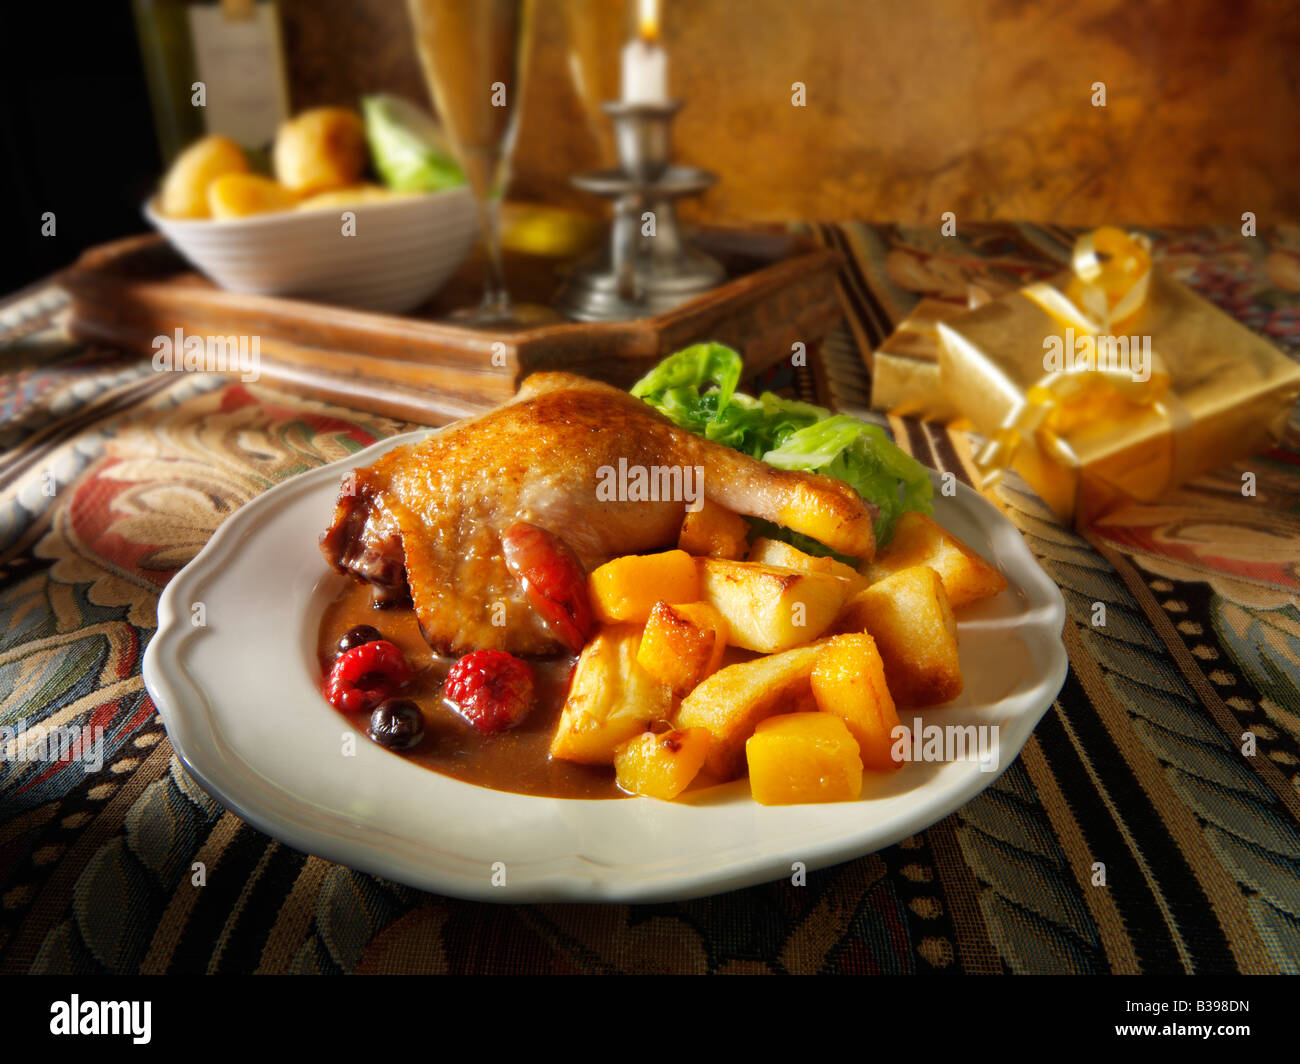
{"points": [[1217, 393], [905, 367]]}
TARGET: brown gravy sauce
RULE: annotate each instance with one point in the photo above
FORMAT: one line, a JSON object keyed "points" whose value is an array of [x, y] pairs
{"points": [[517, 760]]}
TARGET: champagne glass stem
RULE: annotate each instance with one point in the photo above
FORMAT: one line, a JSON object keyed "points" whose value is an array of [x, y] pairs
{"points": [[496, 297]]}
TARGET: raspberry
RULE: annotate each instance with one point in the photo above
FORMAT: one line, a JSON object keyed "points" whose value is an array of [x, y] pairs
{"points": [[491, 689], [364, 676]]}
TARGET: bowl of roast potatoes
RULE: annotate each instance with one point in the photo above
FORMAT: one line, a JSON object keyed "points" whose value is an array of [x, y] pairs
{"points": [[316, 227]]}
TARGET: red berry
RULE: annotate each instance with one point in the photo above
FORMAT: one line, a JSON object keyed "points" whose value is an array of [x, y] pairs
{"points": [[553, 580], [364, 676], [491, 689]]}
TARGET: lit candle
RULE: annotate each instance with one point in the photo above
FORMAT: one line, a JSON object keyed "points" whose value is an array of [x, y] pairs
{"points": [[645, 63]]}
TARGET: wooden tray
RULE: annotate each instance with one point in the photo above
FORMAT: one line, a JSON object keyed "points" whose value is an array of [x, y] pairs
{"points": [[780, 290]]}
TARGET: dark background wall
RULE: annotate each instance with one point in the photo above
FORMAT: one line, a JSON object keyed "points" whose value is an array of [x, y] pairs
{"points": [[76, 136]]}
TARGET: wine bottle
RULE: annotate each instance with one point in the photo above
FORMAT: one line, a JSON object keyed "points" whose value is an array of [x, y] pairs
{"points": [[213, 66]]}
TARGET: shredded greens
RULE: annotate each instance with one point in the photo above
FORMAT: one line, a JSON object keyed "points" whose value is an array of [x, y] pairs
{"points": [[696, 389]]}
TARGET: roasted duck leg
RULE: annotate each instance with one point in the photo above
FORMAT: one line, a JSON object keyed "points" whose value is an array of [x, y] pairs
{"points": [[428, 518]]}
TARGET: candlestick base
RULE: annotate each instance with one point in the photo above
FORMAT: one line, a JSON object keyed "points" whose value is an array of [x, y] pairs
{"points": [[591, 291]]}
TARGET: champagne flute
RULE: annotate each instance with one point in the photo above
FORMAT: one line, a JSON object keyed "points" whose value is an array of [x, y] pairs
{"points": [[596, 30], [474, 55]]}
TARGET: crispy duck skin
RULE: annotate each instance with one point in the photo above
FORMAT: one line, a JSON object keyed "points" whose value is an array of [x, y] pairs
{"points": [[427, 518]]}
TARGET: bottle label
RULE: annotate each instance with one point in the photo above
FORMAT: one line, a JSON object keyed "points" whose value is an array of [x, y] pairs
{"points": [[238, 60]]}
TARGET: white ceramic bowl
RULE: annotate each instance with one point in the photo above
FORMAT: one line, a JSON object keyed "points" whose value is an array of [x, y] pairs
{"points": [[403, 250]]}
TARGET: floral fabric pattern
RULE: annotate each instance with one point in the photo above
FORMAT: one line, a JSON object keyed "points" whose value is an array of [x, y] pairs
{"points": [[112, 477]]}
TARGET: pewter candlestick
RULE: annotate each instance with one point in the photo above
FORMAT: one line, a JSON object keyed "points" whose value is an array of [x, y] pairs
{"points": [[639, 275]]}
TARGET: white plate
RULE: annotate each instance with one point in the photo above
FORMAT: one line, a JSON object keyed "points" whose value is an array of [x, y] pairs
{"points": [[240, 701]]}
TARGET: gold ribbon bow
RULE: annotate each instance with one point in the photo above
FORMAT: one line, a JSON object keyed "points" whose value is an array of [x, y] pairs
{"points": [[1111, 275]]}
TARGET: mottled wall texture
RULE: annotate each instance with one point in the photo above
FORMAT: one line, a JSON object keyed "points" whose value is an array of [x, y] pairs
{"points": [[914, 107]]}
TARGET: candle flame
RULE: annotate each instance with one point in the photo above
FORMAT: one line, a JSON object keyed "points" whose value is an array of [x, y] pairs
{"points": [[647, 20]]}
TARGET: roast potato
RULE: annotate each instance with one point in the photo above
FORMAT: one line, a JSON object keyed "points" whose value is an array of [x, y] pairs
{"points": [[661, 765], [769, 608], [919, 540], [848, 682], [732, 701], [909, 617], [777, 552], [611, 699]]}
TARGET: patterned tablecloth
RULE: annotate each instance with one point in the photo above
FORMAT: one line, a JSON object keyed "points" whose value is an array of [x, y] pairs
{"points": [[112, 476]]}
